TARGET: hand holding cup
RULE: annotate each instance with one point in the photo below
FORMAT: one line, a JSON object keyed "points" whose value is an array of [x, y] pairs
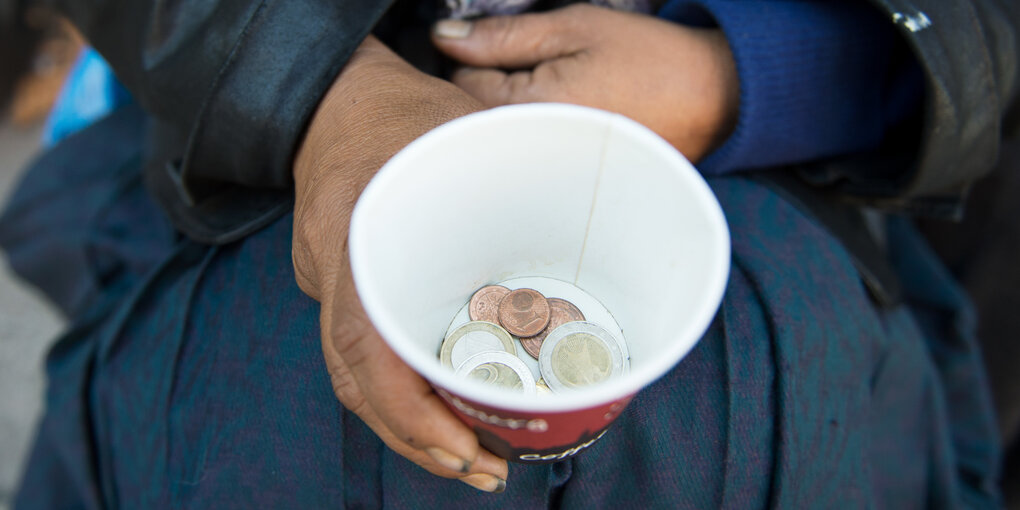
{"points": [[375, 107]]}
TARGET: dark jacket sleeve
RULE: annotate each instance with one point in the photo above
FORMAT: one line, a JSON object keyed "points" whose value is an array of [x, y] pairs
{"points": [[234, 82], [818, 79], [968, 54]]}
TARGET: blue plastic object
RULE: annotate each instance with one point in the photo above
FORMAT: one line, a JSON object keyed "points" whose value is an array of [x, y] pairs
{"points": [[89, 94]]}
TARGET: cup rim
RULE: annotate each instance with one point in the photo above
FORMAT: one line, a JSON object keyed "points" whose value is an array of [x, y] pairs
{"points": [[432, 370]]}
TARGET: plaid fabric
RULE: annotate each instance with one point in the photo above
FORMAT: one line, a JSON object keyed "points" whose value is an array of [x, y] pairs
{"points": [[192, 376]]}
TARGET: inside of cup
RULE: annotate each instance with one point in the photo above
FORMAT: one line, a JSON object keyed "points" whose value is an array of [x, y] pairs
{"points": [[557, 191]]}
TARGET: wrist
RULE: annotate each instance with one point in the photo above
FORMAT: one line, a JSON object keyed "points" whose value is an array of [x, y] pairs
{"points": [[349, 95], [378, 104], [811, 78], [696, 106], [729, 90]]}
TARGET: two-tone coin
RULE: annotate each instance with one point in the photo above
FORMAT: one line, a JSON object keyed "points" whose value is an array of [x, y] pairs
{"points": [[484, 304], [579, 354], [561, 312], [473, 338], [500, 369], [524, 312]]}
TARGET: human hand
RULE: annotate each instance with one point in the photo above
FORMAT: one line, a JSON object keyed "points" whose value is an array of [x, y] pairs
{"points": [[377, 105], [679, 81]]}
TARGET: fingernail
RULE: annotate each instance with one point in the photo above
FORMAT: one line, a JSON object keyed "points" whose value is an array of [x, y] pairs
{"points": [[453, 28], [448, 460], [485, 482]]}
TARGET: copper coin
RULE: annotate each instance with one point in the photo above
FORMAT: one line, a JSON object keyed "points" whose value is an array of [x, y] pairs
{"points": [[567, 307], [524, 312], [484, 305], [561, 312]]}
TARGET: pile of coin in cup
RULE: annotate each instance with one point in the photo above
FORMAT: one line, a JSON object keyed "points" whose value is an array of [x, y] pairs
{"points": [[571, 352]]}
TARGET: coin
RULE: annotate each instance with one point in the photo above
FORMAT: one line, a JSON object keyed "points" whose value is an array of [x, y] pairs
{"points": [[541, 388], [561, 312], [484, 305], [579, 354], [473, 338], [572, 311], [499, 369], [524, 312]]}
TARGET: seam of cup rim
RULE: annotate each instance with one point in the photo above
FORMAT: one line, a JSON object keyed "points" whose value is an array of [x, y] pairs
{"points": [[594, 196]]}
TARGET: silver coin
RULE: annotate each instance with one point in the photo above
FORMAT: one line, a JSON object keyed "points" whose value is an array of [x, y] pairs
{"points": [[579, 354], [499, 369], [472, 338]]}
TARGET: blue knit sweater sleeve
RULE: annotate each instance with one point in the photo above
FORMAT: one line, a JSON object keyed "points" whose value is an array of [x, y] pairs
{"points": [[817, 79]]}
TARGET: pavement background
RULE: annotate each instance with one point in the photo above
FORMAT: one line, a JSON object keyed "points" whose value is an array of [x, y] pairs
{"points": [[28, 325]]}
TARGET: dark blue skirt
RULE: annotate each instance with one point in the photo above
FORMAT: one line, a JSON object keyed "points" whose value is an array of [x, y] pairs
{"points": [[192, 376]]}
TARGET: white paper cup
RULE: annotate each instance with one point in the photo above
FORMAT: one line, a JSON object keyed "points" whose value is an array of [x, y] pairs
{"points": [[550, 190]]}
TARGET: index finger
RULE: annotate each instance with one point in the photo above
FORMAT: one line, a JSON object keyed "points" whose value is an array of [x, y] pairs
{"points": [[510, 42]]}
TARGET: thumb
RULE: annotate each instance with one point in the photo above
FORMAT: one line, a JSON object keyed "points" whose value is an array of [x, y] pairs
{"points": [[509, 42]]}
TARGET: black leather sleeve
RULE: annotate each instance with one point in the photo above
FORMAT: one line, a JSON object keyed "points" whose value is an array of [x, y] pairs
{"points": [[967, 52], [233, 81], [1000, 25]]}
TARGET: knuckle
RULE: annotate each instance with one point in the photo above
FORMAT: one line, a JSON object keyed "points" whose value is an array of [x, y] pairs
{"points": [[349, 335], [318, 249], [554, 83], [518, 86], [551, 44], [302, 258], [577, 18], [505, 30], [578, 9], [346, 389], [551, 73], [305, 281], [306, 238]]}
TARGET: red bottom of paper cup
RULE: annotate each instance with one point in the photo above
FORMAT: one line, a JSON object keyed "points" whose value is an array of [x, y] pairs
{"points": [[535, 438]]}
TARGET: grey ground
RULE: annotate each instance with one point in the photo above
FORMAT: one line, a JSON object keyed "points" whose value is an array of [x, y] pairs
{"points": [[27, 327]]}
